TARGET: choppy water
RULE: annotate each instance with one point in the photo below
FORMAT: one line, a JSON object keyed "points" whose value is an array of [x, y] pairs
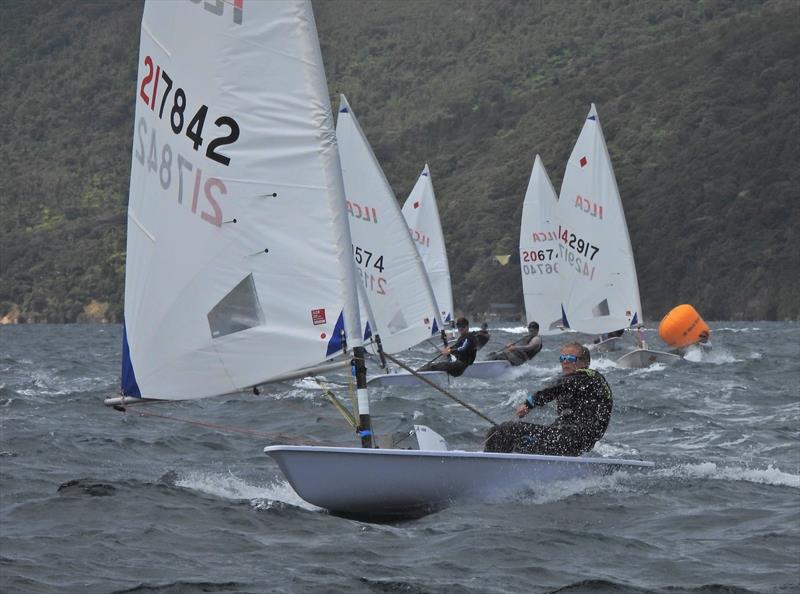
{"points": [[94, 500]]}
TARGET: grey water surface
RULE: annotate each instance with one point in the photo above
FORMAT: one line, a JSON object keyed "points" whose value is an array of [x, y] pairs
{"points": [[184, 500]]}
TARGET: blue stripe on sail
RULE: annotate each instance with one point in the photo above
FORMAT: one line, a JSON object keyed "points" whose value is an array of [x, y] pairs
{"points": [[425, 173], [335, 343], [367, 332], [448, 318], [344, 110], [593, 118], [564, 317], [128, 376], [635, 320], [435, 329]]}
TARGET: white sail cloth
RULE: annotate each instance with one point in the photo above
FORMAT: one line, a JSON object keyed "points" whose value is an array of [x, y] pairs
{"points": [[389, 266], [538, 252], [239, 263], [422, 215], [600, 292]]}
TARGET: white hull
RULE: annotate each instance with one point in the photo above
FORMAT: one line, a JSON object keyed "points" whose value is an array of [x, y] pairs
{"points": [[607, 345], [486, 369], [644, 358], [478, 370], [372, 483], [405, 379]]}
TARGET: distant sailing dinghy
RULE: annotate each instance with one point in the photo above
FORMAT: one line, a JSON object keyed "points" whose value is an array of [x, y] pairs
{"points": [[240, 264], [539, 253], [399, 295], [483, 370], [600, 293], [422, 216]]}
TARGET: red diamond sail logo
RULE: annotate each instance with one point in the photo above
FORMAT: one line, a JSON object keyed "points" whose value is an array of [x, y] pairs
{"points": [[416, 205], [583, 161]]}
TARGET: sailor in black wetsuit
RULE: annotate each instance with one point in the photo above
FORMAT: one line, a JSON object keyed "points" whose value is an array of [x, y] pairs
{"points": [[464, 351], [583, 402]]}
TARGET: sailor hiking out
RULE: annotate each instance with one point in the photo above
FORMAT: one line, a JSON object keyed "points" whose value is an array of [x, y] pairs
{"points": [[583, 403], [464, 351], [523, 350]]}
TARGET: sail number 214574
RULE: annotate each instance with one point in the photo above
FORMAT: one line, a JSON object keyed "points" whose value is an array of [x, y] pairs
{"points": [[368, 261]]}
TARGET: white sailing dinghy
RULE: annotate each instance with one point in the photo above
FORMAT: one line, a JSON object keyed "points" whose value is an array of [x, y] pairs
{"points": [[539, 254], [424, 225], [421, 214], [400, 295], [214, 306], [399, 303], [600, 292]]}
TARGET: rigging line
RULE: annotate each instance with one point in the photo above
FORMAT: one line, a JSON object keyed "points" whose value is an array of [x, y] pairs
{"points": [[442, 390], [337, 404], [429, 362], [272, 436]]}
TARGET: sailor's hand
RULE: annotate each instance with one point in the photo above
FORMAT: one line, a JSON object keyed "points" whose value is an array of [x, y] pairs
{"points": [[446, 351], [522, 410]]}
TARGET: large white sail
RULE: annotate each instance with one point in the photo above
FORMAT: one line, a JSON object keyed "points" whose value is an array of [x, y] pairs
{"points": [[391, 270], [238, 258], [538, 252], [422, 215], [600, 292]]}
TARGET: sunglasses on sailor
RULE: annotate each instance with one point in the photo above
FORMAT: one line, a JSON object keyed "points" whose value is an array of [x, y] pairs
{"points": [[568, 358]]}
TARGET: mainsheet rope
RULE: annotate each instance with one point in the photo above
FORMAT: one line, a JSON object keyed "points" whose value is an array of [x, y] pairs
{"points": [[134, 408]]}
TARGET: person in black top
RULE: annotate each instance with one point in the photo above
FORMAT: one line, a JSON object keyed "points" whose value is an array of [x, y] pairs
{"points": [[583, 402], [464, 351], [523, 350], [482, 336]]}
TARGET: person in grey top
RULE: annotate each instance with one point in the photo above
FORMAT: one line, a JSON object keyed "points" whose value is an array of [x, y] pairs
{"points": [[523, 350]]}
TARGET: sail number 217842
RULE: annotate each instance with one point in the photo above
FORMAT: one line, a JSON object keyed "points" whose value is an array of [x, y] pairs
{"points": [[174, 103]]}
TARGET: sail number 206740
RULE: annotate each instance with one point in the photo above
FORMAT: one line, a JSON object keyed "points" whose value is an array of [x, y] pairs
{"points": [[173, 103], [539, 261]]}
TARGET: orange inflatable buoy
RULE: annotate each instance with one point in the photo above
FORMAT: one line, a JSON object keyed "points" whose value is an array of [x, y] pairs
{"points": [[683, 326]]}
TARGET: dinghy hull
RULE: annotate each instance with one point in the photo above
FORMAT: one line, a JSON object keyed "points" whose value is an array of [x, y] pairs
{"points": [[478, 370], [609, 344], [393, 484], [644, 358]]}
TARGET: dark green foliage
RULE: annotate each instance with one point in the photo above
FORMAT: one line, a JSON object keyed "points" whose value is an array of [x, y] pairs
{"points": [[698, 101]]}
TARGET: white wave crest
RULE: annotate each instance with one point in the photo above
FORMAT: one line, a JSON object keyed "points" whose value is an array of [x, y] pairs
{"points": [[710, 470], [230, 486], [717, 356]]}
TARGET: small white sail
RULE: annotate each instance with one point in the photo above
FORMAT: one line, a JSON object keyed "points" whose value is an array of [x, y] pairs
{"points": [[238, 258], [600, 292], [538, 252], [422, 215], [391, 270]]}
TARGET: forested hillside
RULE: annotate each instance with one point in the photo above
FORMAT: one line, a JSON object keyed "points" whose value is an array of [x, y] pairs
{"points": [[699, 102]]}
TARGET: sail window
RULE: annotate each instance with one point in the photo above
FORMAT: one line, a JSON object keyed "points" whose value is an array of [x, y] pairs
{"points": [[237, 311], [601, 309]]}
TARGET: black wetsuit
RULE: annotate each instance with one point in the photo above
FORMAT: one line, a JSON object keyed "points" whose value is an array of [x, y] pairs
{"points": [[583, 402], [464, 350]]}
